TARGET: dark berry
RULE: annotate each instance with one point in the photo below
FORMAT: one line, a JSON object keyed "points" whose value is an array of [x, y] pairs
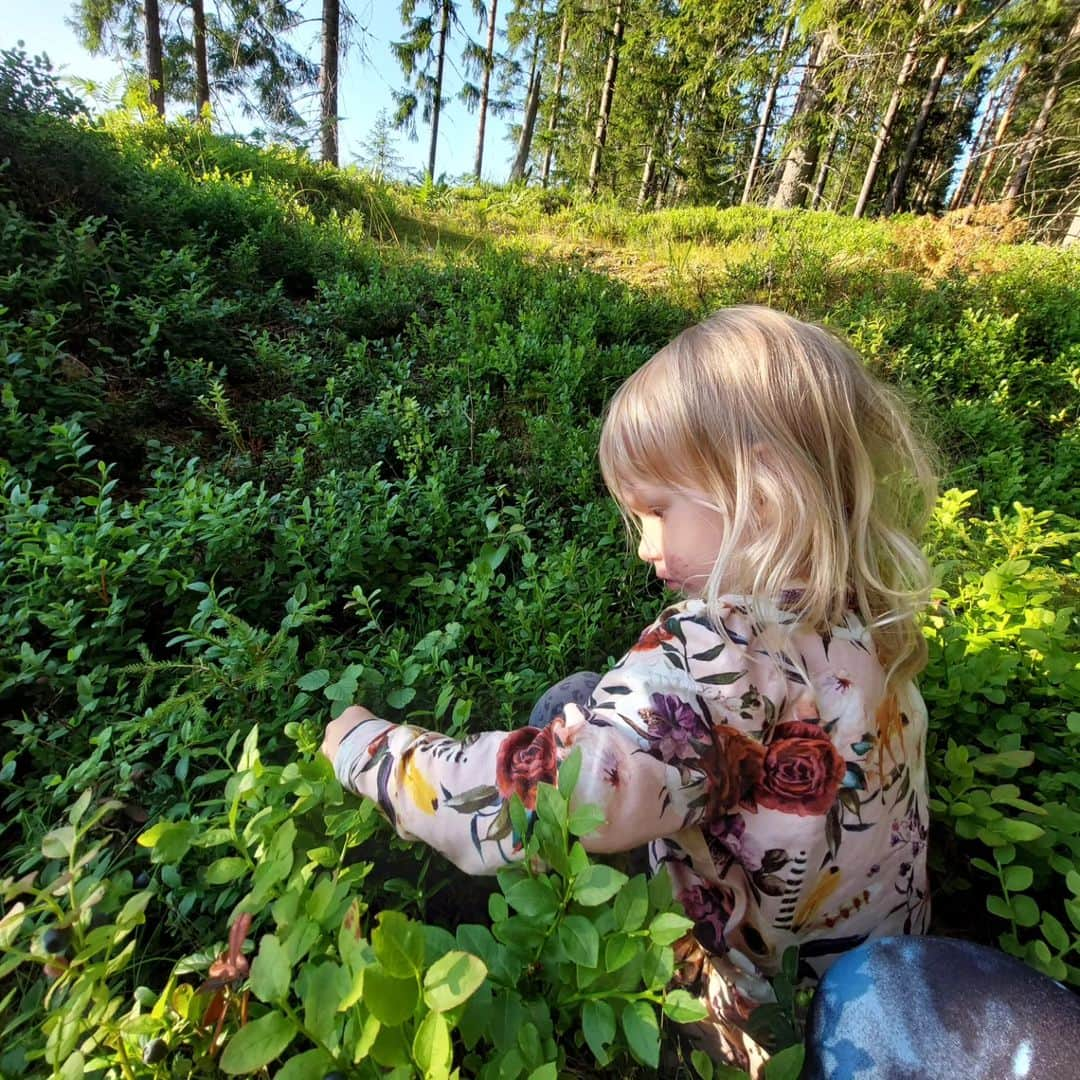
{"points": [[56, 939], [99, 918], [334, 1076], [154, 1051], [142, 880]]}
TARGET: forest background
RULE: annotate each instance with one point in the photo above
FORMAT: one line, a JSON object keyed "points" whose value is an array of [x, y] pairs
{"points": [[277, 436]]}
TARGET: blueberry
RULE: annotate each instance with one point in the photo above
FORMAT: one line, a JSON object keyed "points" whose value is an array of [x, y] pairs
{"points": [[142, 880], [154, 1051], [56, 939], [334, 1076]]}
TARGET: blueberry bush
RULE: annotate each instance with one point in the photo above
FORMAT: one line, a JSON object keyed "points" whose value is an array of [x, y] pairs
{"points": [[276, 437]]}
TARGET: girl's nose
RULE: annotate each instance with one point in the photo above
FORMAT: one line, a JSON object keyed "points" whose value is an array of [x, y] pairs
{"points": [[648, 548]]}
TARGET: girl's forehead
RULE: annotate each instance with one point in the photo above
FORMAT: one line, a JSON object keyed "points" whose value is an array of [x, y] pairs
{"points": [[644, 491]]}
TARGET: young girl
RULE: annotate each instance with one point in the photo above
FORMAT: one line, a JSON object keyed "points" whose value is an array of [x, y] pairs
{"points": [[763, 735]]}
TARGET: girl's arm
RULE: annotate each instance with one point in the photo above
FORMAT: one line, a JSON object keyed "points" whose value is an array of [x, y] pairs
{"points": [[648, 762]]}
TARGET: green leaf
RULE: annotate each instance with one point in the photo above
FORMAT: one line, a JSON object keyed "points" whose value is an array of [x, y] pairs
{"points": [[668, 927], [533, 897], [224, 870], [550, 805], [391, 1001], [168, 840], [659, 888], [1006, 761], [363, 1042], [632, 904], [1018, 878], [598, 1026], [325, 986], [569, 771], [313, 680], [579, 938], [306, 1065], [400, 697], [79, 807], [550, 1071], [786, 1065], [453, 979], [391, 1047], [271, 972], [1054, 932], [702, 1064], [431, 1047], [642, 1032], [619, 950], [586, 819], [74, 1068], [276, 861], [399, 944], [598, 884], [1025, 910], [683, 1007], [59, 843], [1019, 831], [257, 1044]]}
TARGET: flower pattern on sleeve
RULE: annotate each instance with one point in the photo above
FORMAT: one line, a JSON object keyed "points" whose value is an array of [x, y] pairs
{"points": [[785, 790]]}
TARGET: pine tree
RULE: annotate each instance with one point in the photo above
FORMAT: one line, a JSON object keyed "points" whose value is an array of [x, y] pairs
{"points": [[424, 45], [379, 152], [130, 28]]}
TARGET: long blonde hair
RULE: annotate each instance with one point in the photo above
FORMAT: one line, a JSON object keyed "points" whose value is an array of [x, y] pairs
{"points": [[814, 464]]}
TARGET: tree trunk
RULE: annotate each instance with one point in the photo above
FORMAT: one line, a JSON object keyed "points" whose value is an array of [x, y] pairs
{"points": [[647, 190], [978, 149], [532, 106], [556, 98], [885, 128], [801, 154], [1031, 141], [990, 157], [436, 104], [826, 165], [606, 97], [928, 174], [488, 62], [328, 80], [894, 201], [648, 178], [1072, 237], [155, 64], [202, 76], [766, 113]]}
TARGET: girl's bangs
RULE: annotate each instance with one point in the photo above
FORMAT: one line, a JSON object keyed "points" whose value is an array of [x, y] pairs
{"points": [[635, 444]]}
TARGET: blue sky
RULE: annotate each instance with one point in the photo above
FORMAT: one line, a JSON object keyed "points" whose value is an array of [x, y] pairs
{"points": [[367, 83]]}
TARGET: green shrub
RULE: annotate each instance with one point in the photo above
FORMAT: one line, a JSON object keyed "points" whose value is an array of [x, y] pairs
{"points": [[256, 466]]}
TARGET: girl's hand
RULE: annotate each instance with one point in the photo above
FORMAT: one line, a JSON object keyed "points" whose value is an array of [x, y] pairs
{"points": [[337, 729]]}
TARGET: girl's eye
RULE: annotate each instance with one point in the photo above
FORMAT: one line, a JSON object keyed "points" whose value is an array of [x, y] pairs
{"points": [[656, 511]]}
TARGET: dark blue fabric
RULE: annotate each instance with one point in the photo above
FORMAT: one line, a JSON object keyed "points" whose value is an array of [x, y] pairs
{"points": [[575, 689], [923, 1008]]}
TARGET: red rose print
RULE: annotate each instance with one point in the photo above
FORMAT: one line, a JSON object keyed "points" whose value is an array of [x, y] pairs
{"points": [[651, 637], [734, 766], [803, 770], [526, 757]]}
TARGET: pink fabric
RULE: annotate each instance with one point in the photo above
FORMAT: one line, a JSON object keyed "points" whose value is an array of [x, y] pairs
{"points": [[785, 791]]}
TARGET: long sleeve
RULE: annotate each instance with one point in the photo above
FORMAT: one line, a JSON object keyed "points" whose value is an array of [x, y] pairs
{"points": [[642, 739]]}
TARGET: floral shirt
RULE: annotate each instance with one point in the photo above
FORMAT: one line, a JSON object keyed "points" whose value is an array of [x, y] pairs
{"points": [[784, 790]]}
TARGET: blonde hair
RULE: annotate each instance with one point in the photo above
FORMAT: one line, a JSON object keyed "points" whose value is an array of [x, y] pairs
{"points": [[813, 463]]}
